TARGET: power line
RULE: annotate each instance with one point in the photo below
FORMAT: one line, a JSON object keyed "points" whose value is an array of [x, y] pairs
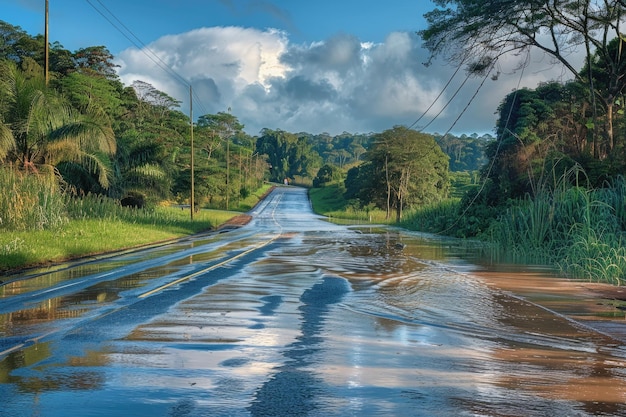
{"points": [[437, 99], [499, 141], [449, 101], [136, 41], [140, 45]]}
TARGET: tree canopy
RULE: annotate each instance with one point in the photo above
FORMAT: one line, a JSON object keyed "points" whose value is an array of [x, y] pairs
{"points": [[477, 33], [403, 168], [288, 155]]}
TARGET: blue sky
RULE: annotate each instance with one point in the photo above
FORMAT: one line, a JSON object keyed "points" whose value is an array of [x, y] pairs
{"points": [[315, 66], [78, 23]]}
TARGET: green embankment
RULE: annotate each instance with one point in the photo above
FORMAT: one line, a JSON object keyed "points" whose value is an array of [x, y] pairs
{"points": [[96, 225]]}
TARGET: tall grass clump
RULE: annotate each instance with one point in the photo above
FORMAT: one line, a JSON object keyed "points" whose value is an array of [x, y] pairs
{"points": [[29, 201], [578, 229], [437, 217], [597, 257], [524, 232], [93, 206], [596, 246]]}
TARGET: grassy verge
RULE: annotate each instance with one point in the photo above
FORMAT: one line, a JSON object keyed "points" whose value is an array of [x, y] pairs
{"points": [[250, 201], [328, 201], [579, 231], [91, 236], [433, 218], [39, 224]]}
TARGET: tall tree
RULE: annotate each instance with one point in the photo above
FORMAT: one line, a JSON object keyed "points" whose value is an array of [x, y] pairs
{"points": [[479, 32], [152, 100], [403, 168], [227, 127], [288, 155], [275, 144], [224, 124], [609, 80], [16, 44], [96, 60]]}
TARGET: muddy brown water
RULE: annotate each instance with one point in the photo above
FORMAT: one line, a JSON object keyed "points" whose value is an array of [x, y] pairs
{"points": [[325, 320]]}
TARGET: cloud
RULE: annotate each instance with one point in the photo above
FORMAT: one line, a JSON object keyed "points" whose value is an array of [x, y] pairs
{"points": [[336, 85], [219, 62]]}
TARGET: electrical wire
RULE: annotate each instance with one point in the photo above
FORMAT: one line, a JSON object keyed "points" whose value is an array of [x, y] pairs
{"points": [[145, 49], [458, 68], [448, 103], [499, 141]]}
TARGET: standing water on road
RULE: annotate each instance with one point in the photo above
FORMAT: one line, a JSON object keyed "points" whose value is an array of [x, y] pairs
{"points": [[294, 316]]}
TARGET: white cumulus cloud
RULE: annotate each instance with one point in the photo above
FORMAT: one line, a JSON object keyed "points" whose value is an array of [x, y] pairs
{"points": [[339, 84]]}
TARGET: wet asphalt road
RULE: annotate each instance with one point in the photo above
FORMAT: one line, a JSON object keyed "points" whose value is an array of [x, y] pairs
{"points": [[294, 316]]}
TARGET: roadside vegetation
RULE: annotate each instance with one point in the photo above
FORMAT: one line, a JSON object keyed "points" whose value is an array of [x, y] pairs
{"points": [[41, 225], [86, 155], [329, 201]]}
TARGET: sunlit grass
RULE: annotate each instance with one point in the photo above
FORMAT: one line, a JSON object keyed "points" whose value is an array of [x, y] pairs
{"points": [[85, 237], [95, 225], [39, 224], [329, 201], [250, 201], [29, 202], [433, 218]]}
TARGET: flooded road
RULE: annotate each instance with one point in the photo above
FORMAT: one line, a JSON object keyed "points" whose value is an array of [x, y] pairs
{"points": [[294, 316]]}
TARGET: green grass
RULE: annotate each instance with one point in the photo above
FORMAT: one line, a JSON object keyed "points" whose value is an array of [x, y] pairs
{"points": [[29, 202], [84, 237], [249, 202], [39, 224], [433, 218], [328, 201]]}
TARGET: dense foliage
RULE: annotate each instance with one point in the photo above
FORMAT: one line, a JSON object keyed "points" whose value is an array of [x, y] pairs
{"points": [[543, 132], [289, 156], [552, 187], [86, 131], [81, 132], [402, 168], [466, 153]]}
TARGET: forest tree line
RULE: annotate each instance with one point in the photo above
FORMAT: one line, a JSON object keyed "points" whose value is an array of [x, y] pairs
{"points": [[558, 147], [95, 135]]}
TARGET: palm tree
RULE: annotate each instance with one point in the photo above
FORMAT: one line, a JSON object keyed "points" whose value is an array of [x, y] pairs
{"points": [[39, 130], [142, 170]]}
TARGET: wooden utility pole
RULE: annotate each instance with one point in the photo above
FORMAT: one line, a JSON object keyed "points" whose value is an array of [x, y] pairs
{"points": [[240, 177], [228, 161], [46, 50], [192, 151]]}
